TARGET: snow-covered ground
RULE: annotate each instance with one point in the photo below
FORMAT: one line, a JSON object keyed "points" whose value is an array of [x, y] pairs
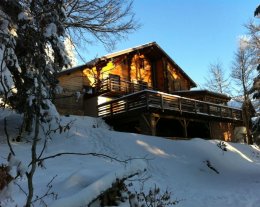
{"points": [[197, 172]]}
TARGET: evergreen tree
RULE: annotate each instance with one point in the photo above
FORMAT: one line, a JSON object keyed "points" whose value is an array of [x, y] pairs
{"points": [[31, 29], [32, 51], [254, 30]]}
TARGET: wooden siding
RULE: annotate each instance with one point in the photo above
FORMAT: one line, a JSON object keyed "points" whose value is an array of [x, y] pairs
{"points": [[89, 77], [160, 75], [176, 81], [72, 81], [135, 68], [69, 105], [140, 70]]}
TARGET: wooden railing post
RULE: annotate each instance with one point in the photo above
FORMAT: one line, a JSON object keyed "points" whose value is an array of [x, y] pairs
{"points": [[126, 105], [111, 109], [179, 100], [147, 100]]}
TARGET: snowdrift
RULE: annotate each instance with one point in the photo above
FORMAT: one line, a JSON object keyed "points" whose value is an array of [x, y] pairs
{"points": [[198, 172]]}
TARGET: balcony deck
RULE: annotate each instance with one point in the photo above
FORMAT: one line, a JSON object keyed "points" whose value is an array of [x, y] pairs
{"points": [[120, 87], [153, 101]]}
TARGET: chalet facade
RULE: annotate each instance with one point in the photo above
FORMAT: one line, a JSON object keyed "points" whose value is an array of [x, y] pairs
{"points": [[143, 90]]}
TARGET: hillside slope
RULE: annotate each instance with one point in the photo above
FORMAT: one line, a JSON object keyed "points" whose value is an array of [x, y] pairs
{"points": [[198, 172]]}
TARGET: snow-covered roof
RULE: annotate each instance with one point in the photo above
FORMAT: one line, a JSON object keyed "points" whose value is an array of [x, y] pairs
{"points": [[80, 67], [204, 92]]}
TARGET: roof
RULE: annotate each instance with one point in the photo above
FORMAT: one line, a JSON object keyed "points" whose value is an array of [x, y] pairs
{"points": [[203, 92], [153, 45], [80, 67]]}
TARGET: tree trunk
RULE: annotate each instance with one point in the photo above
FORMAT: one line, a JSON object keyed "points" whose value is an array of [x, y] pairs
{"points": [[246, 119], [33, 162]]}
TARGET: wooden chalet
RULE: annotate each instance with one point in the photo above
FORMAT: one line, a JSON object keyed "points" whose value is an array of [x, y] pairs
{"points": [[143, 90]]}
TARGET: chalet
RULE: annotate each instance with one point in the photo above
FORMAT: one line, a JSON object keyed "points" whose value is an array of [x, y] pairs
{"points": [[143, 90]]}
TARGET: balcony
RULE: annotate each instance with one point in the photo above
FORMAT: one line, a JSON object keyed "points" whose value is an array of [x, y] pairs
{"points": [[153, 101], [112, 86]]}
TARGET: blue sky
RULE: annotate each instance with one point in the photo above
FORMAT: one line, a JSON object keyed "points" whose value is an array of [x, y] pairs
{"points": [[193, 33]]}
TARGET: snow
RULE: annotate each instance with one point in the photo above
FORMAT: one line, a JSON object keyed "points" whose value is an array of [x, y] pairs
{"points": [[179, 166], [92, 191], [23, 16], [244, 42], [70, 50], [50, 30], [6, 77], [4, 25]]}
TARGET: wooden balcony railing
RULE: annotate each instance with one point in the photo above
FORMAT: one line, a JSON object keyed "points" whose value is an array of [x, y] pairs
{"points": [[153, 100], [121, 86]]}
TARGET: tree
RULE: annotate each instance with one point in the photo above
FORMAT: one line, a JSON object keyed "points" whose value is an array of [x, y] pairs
{"points": [[253, 30], [107, 21], [32, 30], [242, 74], [216, 80], [47, 23]]}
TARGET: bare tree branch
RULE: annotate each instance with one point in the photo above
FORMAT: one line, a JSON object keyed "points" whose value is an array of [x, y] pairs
{"points": [[82, 154], [106, 20], [216, 80]]}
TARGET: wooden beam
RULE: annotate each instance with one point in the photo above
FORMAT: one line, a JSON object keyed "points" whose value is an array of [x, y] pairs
{"points": [[146, 120], [153, 67], [165, 75], [153, 126], [184, 124]]}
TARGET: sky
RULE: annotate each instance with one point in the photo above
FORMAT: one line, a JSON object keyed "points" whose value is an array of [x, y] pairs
{"points": [[194, 33]]}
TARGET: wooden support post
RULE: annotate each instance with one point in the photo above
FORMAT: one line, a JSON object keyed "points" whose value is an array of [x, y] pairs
{"points": [[149, 122], [185, 128], [185, 124], [210, 130], [153, 124]]}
